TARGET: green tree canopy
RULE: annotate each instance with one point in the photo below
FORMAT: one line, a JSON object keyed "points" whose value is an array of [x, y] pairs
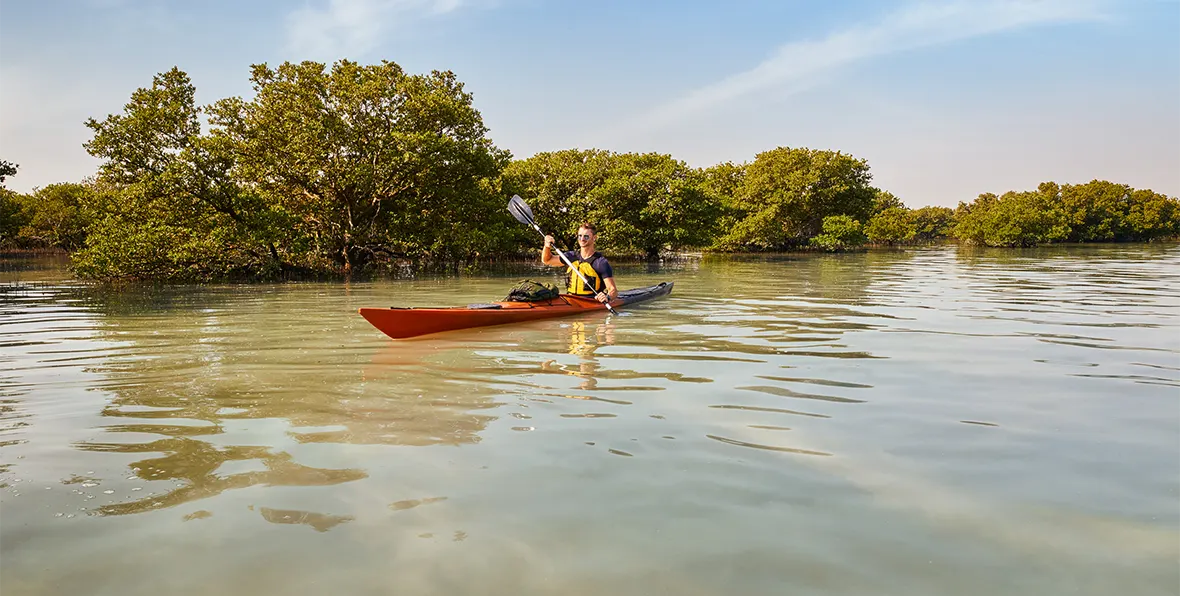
{"points": [[369, 161], [893, 225], [1102, 211], [725, 180], [12, 215], [840, 233], [345, 168], [58, 215], [932, 222], [787, 193], [1151, 215], [883, 199], [640, 203], [1098, 211], [1014, 219], [7, 168], [323, 169], [171, 206]]}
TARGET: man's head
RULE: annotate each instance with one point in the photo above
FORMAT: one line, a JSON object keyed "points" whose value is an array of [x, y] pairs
{"points": [[587, 235]]}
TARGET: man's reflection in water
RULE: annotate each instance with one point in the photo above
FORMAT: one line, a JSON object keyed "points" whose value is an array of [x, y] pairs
{"points": [[584, 344]]}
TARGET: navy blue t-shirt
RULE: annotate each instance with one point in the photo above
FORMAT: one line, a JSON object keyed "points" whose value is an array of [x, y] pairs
{"points": [[597, 261]]}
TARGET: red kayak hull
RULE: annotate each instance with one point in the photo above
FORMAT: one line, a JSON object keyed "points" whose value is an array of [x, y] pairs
{"points": [[401, 323]]}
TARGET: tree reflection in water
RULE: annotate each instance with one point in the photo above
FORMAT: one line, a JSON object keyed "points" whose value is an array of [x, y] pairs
{"points": [[217, 381]]}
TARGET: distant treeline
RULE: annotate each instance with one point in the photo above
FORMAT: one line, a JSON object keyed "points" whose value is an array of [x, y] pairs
{"points": [[351, 168]]}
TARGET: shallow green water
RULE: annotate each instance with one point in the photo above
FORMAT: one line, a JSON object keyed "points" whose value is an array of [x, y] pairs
{"points": [[932, 421]]}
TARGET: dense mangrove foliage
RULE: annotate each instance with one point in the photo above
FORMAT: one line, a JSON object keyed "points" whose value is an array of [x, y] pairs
{"points": [[347, 168]]}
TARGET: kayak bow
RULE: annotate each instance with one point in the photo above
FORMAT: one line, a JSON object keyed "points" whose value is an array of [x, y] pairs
{"points": [[400, 323]]}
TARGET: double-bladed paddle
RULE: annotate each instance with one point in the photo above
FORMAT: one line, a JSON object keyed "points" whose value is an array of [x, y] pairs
{"points": [[520, 210]]}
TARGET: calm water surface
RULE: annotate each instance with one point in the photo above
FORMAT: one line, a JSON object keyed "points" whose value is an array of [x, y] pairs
{"points": [[932, 421]]}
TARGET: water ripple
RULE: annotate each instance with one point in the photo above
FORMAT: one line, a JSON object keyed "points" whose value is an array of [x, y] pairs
{"points": [[994, 386], [766, 447]]}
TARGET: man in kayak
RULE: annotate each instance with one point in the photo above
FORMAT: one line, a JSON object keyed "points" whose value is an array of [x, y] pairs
{"points": [[591, 263]]}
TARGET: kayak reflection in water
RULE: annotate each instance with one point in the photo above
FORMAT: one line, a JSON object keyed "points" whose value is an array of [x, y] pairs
{"points": [[581, 345], [599, 277]]}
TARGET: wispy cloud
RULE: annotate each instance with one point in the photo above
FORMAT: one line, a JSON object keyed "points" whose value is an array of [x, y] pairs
{"points": [[797, 65], [351, 28]]}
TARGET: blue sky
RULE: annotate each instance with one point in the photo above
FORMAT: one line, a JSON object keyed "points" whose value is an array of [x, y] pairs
{"points": [[944, 99]]}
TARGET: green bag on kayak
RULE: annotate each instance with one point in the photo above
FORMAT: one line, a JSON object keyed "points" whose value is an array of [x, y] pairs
{"points": [[532, 291]]}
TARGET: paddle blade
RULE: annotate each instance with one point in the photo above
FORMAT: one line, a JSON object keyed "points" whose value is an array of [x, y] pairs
{"points": [[520, 210]]}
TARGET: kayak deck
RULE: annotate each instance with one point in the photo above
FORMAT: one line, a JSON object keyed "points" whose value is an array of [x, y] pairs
{"points": [[404, 322]]}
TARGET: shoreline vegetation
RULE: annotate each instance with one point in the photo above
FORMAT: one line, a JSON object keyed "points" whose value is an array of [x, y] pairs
{"points": [[348, 170]]}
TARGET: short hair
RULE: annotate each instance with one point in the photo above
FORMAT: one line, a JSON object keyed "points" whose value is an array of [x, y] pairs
{"points": [[588, 226]]}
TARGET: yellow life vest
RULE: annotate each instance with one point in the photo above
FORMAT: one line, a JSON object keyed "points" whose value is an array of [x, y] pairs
{"points": [[577, 286]]}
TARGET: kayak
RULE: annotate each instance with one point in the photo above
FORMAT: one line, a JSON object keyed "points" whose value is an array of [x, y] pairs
{"points": [[403, 322]]}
